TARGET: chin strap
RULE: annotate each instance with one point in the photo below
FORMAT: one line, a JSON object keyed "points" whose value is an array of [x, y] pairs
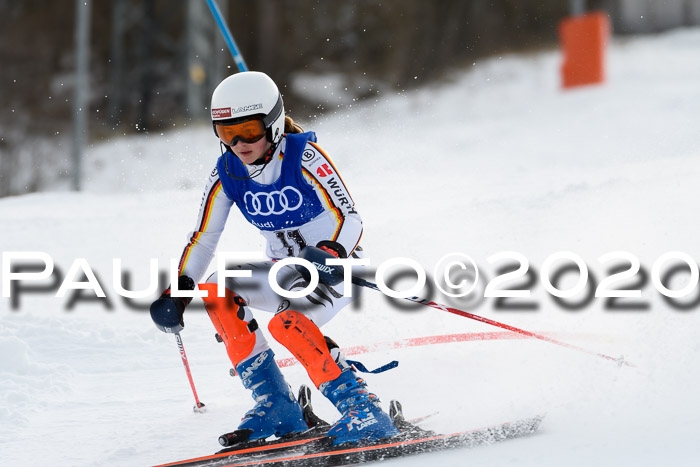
{"points": [[264, 160], [260, 163]]}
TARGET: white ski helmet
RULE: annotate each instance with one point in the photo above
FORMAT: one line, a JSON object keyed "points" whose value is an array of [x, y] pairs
{"points": [[247, 94]]}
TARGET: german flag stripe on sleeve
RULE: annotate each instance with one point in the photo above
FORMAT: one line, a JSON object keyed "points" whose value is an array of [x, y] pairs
{"points": [[213, 193], [334, 169], [329, 202], [206, 215]]}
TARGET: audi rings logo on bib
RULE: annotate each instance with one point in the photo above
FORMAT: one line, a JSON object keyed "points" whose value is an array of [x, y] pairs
{"points": [[274, 202]]}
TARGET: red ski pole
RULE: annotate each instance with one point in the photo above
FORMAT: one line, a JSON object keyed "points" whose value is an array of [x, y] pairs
{"points": [[422, 301], [199, 406]]}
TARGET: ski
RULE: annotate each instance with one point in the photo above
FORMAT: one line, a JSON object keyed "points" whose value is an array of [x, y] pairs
{"points": [[259, 447], [318, 452], [404, 444], [313, 448]]}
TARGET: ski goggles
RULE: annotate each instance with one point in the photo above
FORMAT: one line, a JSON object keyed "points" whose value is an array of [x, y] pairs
{"points": [[250, 131]]}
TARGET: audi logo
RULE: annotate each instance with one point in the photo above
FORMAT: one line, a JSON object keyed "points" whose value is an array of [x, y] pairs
{"points": [[274, 202]]}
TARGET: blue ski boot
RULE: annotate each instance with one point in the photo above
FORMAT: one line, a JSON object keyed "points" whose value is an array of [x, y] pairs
{"points": [[362, 417], [276, 411]]}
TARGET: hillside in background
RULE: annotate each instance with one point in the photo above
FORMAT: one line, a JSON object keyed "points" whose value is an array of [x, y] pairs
{"points": [[154, 63]]}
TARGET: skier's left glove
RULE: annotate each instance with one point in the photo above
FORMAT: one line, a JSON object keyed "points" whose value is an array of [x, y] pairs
{"points": [[167, 312], [329, 275]]}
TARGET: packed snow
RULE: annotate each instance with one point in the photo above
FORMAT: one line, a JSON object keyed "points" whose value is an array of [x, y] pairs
{"points": [[493, 158]]}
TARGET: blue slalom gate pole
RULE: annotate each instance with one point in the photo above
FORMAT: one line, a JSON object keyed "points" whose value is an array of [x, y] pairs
{"points": [[228, 37]]}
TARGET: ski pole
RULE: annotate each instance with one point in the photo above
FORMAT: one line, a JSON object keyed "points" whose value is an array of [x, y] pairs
{"points": [[228, 37], [422, 301], [199, 406]]}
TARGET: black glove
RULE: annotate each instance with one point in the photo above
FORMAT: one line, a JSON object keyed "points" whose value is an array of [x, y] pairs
{"points": [[167, 311], [317, 255]]}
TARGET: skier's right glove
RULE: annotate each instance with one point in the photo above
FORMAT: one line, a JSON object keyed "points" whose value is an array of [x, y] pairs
{"points": [[167, 312]]}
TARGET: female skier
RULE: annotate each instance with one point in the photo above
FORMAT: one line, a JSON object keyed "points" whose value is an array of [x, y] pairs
{"points": [[286, 186]]}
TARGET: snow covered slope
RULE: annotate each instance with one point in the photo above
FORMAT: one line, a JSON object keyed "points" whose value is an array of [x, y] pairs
{"points": [[495, 158]]}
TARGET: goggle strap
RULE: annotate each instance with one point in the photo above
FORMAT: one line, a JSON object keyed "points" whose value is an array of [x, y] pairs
{"points": [[274, 113]]}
